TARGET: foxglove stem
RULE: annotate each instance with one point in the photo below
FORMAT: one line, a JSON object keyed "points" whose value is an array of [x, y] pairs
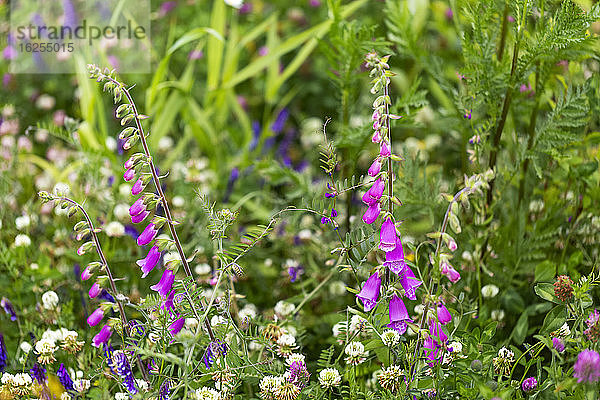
{"points": [[163, 200]]}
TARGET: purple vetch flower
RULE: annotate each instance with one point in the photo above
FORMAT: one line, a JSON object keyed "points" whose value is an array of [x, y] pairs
{"points": [[3, 355], [70, 15], [123, 368], [95, 290], [214, 350], [387, 236], [164, 392], [131, 231], [195, 55], [294, 271], [137, 207], [255, 135], [282, 117], [410, 283], [372, 213], [95, 318], [370, 292], [136, 219], [104, 295], [449, 13], [384, 150], [108, 353], [529, 384], [64, 378], [163, 287], [394, 260], [233, 177], [147, 264], [147, 235], [558, 344], [176, 326], [398, 315], [314, 3], [246, 8], [8, 308], [443, 314], [375, 168], [102, 336], [38, 373], [587, 367]]}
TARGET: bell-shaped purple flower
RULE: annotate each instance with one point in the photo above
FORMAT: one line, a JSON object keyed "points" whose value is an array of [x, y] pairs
{"points": [[449, 271], [129, 174], [435, 330], [102, 336], [8, 308], [147, 235], [176, 326], [129, 163], [384, 150], [367, 199], [443, 314], [95, 317], [136, 219], [376, 191], [394, 260], [387, 236], [431, 348], [137, 187], [370, 292], [147, 264], [398, 315], [95, 290], [410, 283], [137, 207], [372, 213], [64, 378], [375, 168], [168, 304], [86, 274], [163, 287], [376, 138]]}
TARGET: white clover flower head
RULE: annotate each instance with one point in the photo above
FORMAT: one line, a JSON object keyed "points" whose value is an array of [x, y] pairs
{"points": [[329, 377], [339, 329], [295, 357], [235, 3], [305, 234], [489, 291], [25, 347], [81, 385], [286, 340], [178, 201], [283, 309], [203, 269], [142, 385], [114, 229], [269, 384], [45, 346], [497, 315], [165, 143], [206, 393], [456, 347], [21, 384], [61, 189], [337, 288], [218, 320], [390, 338], [121, 396], [34, 266], [22, 240], [191, 323], [358, 324], [22, 222], [248, 312], [506, 354], [355, 353], [7, 378], [121, 211], [124, 190], [111, 143], [50, 300], [536, 206]]}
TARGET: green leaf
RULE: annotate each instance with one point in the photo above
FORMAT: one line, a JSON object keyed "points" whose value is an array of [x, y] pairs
{"points": [[520, 331], [545, 271], [546, 292], [554, 319]]}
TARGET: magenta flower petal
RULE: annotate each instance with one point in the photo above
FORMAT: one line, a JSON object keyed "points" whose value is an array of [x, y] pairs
{"points": [[129, 163], [176, 326], [102, 336], [137, 188], [86, 274], [443, 314], [449, 271], [587, 367], [147, 235], [375, 168], [376, 191], [367, 199], [95, 290], [376, 138], [410, 283], [385, 151], [394, 260], [95, 317], [147, 264], [372, 213], [129, 174], [387, 236], [370, 292], [136, 219], [168, 304], [163, 287], [435, 330], [398, 315], [137, 207]]}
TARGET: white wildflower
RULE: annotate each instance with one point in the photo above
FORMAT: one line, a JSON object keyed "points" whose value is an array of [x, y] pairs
{"points": [[50, 300], [22, 241], [114, 229], [329, 377]]}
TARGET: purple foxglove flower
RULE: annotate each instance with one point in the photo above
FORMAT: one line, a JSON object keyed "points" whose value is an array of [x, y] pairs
{"points": [[129, 174], [148, 263], [370, 292], [367, 199], [376, 137], [435, 330], [95, 290], [431, 349], [102, 336], [394, 260], [137, 207], [95, 317], [449, 271], [163, 287], [168, 305], [371, 214], [387, 236], [410, 283], [64, 378], [147, 235], [398, 315], [86, 274], [8, 308], [384, 150], [176, 326], [129, 163], [377, 189], [443, 314], [136, 219], [375, 168], [138, 186]]}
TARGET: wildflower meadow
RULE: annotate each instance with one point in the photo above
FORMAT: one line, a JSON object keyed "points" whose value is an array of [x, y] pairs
{"points": [[294, 200]]}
